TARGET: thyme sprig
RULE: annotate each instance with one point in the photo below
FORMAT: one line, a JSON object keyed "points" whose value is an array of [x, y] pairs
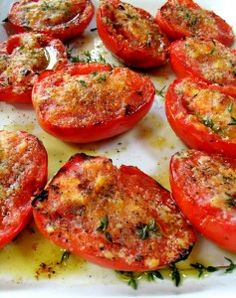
{"points": [[175, 273]]}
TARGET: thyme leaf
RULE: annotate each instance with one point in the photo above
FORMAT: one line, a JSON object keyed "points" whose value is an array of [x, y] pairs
{"points": [[160, 92], [175, 274], [233, 121], [103, 224], [65, 256], [231, 267]]}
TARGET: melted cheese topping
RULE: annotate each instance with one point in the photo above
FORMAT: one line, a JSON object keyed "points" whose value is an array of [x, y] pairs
{"points": [[195, 21], [88, 99], [214, 182], [216, 62], [130, 24], [95, 191], [18, 68], [212, 108], [38, 14]]}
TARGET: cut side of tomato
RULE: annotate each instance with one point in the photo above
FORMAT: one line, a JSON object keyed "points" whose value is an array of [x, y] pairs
{"points": [[83, 103], [201, 116], [60, 19], [208, 60], [131, 34], [22, 58], [23, 173], [117, 218], [183, 18], [204, 187]]}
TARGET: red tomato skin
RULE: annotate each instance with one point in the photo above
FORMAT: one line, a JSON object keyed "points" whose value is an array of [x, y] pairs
{"points": [[90, 253], [65, 31], [225, 34], [103, 130], [193, 135], [137, 57], [182, 69], [7, 93], [35, 184], [204, 219]]}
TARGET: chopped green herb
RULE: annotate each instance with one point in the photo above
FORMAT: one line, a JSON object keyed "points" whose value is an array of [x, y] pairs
{"points": [[103, 224], [101, 59], [161, 92], [65, 256], [142, 232], [230, 107], [82, 83], [175, 274], [145, 230], [214, 48], [233, 121]]}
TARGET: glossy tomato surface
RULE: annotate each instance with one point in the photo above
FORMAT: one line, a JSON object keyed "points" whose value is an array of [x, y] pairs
{"points": [[201, 116], [60, 19], [208, 60], [204, 187], [22, 58], [131, 34], [83, 103], [23, 173], [117, 218], [182, 18]]}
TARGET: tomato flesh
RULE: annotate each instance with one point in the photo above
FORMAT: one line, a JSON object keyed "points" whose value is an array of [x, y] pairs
{"points": [[204, 187], [22, 58], [183, 18], [117, 218], [88, 102], [60, 19], [202, 116], [23, 173], [131, 34]]}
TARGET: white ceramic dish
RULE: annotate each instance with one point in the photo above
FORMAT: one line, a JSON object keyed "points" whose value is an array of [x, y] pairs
{"points": [[149, 146]]}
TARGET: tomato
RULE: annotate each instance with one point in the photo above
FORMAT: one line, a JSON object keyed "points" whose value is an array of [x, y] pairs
{"points": [[23, 173], [208, 60], [204, 118], [60, 19], [204, 187], [83, 103], [182, 18], [131, 34], [117, 218], [22, 58]]}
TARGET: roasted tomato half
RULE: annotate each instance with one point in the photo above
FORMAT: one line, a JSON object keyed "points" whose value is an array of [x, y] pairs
{"points": [[117, 218], [83, 103], [204, 187], [204, 118], [208, 60], [22, 58], [131, 34], [23, 173], [60, 19], [182, 18]]}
